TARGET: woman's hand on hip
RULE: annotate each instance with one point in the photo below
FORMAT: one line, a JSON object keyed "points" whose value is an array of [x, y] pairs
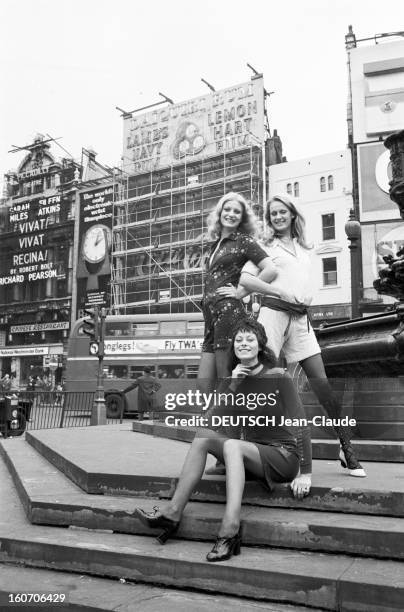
{"points": [[228, 291], [287, 297], [301, 486]]}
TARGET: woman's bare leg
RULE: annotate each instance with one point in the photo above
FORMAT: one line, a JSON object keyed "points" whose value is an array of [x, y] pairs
{"points": [[238, 455], [223, 363], [208, 442], [207, 372]]}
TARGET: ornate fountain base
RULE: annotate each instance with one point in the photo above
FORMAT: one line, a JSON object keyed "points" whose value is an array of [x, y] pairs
{"points": [[368, 347]]}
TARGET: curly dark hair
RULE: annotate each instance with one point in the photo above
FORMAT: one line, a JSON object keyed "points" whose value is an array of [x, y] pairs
{"points": [[265, 354]]}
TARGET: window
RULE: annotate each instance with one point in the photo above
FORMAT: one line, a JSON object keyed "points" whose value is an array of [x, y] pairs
{"points": [[145, 329], [328, 223], [172, 328], [330, 182], [289, 188], [196, 327], [322, 183], [118, 329], [329, 271], [296, 189]]}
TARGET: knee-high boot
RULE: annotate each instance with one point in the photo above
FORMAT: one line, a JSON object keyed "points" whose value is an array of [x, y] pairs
{"points": [[347, 455]]}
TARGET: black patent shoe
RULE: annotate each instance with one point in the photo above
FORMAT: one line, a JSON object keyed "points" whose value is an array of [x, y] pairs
{"points": [[349, 461], [225, 548], [149, 519]]}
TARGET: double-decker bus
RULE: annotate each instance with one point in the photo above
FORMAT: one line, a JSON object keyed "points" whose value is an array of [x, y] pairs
{"points": [[170, 344]]}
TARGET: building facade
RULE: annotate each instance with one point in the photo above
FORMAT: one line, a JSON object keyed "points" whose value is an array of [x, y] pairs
{"points": [[375, 110], [36, 263], [177, 163], [322, 189]]}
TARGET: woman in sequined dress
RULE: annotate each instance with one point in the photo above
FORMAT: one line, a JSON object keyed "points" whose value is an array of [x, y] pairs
{"points": [[232, 228]]}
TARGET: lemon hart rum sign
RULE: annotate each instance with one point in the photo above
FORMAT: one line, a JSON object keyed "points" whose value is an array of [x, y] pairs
{"points": [[94, 247]]}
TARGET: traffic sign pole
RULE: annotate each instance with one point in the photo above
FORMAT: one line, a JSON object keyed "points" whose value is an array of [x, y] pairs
{"points": [[99, 411]]}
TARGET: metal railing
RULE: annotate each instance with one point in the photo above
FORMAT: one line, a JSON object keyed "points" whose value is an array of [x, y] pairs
{"points": [[56, 409]]}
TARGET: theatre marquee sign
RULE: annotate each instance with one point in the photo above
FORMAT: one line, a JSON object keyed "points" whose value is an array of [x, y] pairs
{"points": [[220, 122], [29, 259]]}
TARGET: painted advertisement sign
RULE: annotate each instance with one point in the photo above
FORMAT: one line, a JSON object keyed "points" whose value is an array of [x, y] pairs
{"points": [[94, 244], [374, 176], [163, 261], [219, 122], [152, 345], [29, 259]]}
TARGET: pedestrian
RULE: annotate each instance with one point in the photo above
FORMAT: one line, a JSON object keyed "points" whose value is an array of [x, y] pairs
{"points": [[31, 384], [272, 454], [147, 386], [6, 383], [286, 320], [232, 226]]}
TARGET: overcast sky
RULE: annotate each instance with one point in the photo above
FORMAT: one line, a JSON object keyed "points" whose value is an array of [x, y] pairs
{"points": [[66, 64]]}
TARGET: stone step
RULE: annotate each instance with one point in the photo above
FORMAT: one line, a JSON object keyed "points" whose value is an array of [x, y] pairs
{"points": [[177, 565], [362, 414], [50, 498], [89, 594], [368, 450], [386, 397], [376, 430], [142, 465], [330, 582], [324, 580]]}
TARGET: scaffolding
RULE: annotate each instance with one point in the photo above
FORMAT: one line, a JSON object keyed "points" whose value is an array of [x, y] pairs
{"points": [[159, 226]]}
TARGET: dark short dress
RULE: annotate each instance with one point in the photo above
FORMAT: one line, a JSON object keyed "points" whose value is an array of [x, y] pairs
{"points": [[283, 448], [221, 314]]}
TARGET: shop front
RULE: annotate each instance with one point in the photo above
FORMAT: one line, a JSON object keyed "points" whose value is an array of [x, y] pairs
{"points": [[41, 361], [329, 313]]}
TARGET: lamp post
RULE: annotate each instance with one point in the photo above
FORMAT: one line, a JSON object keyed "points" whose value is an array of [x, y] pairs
{"points": [[353, 232]]}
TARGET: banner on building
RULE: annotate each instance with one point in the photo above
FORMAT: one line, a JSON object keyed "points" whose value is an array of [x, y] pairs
{"points": [[220, 122], [31, 257], [94, 244], [374, 172]]}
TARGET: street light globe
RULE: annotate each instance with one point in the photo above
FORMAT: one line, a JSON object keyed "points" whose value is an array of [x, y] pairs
{"points": [[352, 227]]}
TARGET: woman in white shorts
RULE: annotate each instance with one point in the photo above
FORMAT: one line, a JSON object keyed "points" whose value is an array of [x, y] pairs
{"points": [[283, 310]]}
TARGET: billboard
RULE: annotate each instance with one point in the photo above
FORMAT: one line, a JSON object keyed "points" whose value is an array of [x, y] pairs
{"points": [[94, 244], [31, 254], [374, 171], [222, 121], [377, 81]]}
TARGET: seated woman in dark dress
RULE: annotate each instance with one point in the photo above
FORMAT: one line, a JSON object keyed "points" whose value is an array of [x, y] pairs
{"points": [[273, 452]]}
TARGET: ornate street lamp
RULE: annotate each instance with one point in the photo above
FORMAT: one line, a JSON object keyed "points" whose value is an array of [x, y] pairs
{"points": [[353, 232]]}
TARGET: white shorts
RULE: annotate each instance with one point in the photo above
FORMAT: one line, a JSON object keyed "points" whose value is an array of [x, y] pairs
{"points": [[288, 332]]}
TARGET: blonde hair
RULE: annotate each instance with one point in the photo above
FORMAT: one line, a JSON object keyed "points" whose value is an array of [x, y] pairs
{"points": [[298, 227], [248, 223]]}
